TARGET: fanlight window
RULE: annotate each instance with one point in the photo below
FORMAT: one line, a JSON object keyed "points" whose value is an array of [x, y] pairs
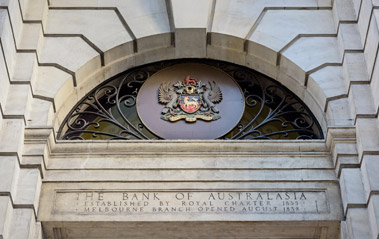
{"points": [[115, 109]]}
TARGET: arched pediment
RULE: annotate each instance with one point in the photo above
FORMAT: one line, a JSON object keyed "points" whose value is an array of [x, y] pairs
{"points": [[190, 99]]}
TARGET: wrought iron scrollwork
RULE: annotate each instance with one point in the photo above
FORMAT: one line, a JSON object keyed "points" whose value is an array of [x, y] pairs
{"points": [[271, 110], [109, 111]]}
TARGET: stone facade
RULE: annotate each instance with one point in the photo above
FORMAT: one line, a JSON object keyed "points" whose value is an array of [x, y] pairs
{"points": [[54, 52]]}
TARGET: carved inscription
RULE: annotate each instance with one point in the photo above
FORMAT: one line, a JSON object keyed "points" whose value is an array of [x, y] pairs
{"points": [[157, 202]]}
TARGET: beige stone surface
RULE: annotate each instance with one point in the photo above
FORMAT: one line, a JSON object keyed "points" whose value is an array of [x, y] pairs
{"points": [[4, 80], [238, 17], [145, 18], [327, 84], [356, 5], [24, 68], [364, 19], [179, 146], [34, 156], [38, 233], [153, 43], [191, 13], [30, 36], [190, 175], [344, 10], [227, 42], [354, 66], [34, 149], [223, 54], [15, 20], [11, 136], [351, 188], [324, 3], [344, 159], [373, 213], [370, 176], [9, 169], [5, 216], [40, 114], [23, 224], [362, 100], [350, 37], [316, 110], [33, 10], [77, 57], [371, 45], [53, 84], [303, 57], [367, 136], [102, 28], [176, 230], [190, 43], [18, 100], [129, 62], [264, 67], [279, 27], [358, 223], [28, 188], [318, 160], [375, 85], [7, 41], [338, 113]]}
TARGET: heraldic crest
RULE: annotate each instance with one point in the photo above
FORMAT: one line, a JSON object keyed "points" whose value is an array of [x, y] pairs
{"points": [[189, 99]]}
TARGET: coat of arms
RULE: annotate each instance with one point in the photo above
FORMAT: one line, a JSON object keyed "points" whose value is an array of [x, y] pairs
{"points": [[189, 99]]}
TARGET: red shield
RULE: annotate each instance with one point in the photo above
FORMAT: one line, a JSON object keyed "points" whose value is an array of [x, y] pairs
{"points": [[190, 103]]}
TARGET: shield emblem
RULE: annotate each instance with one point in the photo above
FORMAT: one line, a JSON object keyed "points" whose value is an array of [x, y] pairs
{"points": [[190, 103]]}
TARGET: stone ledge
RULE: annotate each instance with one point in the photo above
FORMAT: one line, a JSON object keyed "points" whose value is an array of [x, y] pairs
{"points": [[179, 161], [191, 175], [219, 147], [158, 230]]}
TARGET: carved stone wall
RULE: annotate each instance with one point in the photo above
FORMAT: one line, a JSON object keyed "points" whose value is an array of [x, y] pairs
{"points": [[54, 52]]}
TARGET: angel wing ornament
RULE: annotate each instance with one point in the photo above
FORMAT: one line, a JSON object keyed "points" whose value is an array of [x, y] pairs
{"points": [[212, 96], [167, 95]]}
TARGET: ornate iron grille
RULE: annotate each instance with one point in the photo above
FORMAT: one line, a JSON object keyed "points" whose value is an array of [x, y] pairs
{"points": [[271, 110]]}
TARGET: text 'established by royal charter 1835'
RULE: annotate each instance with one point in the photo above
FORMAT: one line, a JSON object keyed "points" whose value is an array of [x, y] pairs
{"points": [[183, 202]]}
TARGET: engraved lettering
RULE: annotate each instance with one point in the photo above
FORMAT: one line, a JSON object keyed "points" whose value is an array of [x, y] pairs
{"points": [[268, 196], [211, 197], [100, 196], [259, 196], [302, 197], [221, 196], [89, 195], [230, 196], [145, 196], [125, 196], [278, 196], [287, 196], [156, 196], [179, 196], [182, 202]]}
